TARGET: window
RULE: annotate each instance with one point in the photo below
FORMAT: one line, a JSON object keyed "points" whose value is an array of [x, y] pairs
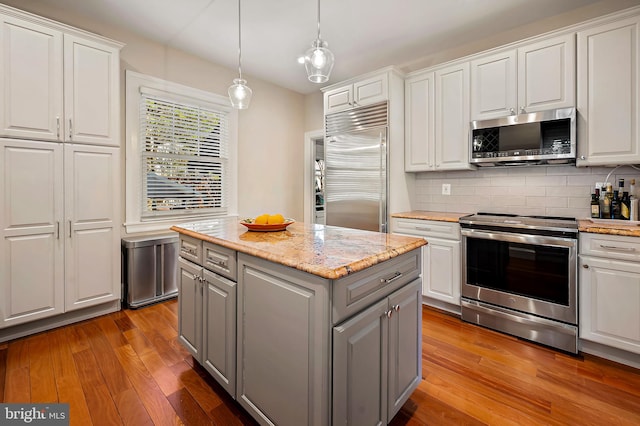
{"points": [[180, 164]]}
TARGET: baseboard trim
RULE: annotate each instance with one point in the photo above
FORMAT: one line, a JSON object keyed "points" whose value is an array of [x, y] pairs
{"points": [[45, 324], [612, 354]]}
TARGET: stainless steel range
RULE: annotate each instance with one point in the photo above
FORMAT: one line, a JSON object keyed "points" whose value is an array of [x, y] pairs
{"points": [[520, 276]]}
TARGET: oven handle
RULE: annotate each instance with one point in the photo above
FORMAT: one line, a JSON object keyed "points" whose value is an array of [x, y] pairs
{"points": [[519, 238]]}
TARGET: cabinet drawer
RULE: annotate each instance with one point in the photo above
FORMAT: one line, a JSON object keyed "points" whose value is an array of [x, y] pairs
{"points": [[220, 260], [426, 228], [356, 292], [610, 246], [191, 249]]}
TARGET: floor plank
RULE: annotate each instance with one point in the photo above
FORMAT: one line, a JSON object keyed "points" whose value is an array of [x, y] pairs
{"points": [[129, 368]]}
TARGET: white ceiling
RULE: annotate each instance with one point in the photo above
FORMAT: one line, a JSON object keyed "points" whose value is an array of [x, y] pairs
{"points": [[363, 34]]}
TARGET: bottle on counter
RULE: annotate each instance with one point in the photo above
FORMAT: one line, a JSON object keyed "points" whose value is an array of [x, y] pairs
{"points": [[633, 201], [615, 206], [595, 204], [606, 202], [625, 206]]}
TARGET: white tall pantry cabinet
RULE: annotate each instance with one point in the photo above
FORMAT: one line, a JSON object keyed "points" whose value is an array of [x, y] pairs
{"points": [[60, 171]]}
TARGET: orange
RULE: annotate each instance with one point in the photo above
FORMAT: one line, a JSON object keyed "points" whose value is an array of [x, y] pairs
{"points": [[263, 219], [275, 218]]}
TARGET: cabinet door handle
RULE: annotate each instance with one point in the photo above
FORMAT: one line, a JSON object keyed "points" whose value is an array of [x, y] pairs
{"points": [[57, 230], [391, 279], [70, 130], [69, 229], [522, 110], [396, 308], [58, 128], [388, 313], [512, 111], [585, 266], [629, 249]]}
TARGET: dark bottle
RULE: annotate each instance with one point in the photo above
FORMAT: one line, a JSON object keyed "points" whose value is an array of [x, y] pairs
{"points": [[625, 206], [615, 206], [595, 205]]}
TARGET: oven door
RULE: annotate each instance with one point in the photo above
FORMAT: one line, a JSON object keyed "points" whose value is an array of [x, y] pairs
{"points": [[534, 274]]}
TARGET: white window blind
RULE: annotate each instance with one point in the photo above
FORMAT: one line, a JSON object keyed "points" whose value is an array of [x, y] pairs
{"points": [[184, 154]]}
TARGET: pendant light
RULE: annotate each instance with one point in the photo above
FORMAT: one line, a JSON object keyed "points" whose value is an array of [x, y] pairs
{"points": [[239, 92], [318, 60]]}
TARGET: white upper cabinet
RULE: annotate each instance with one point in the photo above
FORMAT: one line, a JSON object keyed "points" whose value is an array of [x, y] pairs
{"points": [[437, 119], [57, 84], [608, 94], [31, 84], [493, 81], [452, 117], [534, 77], [547, 74], [91, 81], [359, 93], [419, 118]]}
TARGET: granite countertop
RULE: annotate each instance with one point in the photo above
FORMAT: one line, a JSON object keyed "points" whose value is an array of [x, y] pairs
{"points": [[327, 251], [611, 227], [427, 215]]}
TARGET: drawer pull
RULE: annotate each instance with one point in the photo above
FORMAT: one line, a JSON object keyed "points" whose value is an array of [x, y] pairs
{"points": [[422, 228], [217, 259], [629, 249], [391, 279]]}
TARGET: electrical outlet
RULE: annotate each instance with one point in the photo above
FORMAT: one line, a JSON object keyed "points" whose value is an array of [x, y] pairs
{"points": [[446, 189]]}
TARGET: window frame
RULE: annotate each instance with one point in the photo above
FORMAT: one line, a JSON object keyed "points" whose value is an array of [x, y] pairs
{"points": [[136, 84]]}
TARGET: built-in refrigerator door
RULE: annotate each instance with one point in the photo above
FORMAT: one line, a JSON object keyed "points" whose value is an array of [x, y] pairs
{"points": [[356, 180]]}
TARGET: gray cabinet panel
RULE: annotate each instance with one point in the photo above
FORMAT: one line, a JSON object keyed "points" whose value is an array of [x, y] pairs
{"points": [[360, 368], [283, 344], [405, 360], [377, 359], [219, 333], [190, 307]]}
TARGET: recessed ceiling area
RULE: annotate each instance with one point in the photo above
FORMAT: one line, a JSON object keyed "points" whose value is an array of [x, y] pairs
{"points": [[363, 34]]}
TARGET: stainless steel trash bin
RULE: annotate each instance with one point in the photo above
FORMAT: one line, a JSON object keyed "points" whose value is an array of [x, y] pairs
{"points": [[149, 269]]}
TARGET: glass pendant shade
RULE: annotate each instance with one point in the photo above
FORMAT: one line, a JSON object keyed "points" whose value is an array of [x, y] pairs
{"points": [[318, 61], [240, 94]]}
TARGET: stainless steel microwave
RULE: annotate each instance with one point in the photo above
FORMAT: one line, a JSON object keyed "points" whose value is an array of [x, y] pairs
{"points": [[545, 137]]}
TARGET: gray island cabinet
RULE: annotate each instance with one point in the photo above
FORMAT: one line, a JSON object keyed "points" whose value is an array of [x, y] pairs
{"points": [[314, 325]]}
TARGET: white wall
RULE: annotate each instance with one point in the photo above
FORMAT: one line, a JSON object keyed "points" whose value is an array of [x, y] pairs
{"points": [[270, 132], [582, 14], [526, 190]]}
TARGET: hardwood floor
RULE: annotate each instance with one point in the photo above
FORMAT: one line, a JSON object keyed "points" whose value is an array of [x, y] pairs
{"points": [[128, 368]]}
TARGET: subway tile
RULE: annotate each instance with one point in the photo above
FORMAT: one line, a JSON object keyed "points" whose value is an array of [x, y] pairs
{"points": [[527, 190], [546, 180], [508, 181]]}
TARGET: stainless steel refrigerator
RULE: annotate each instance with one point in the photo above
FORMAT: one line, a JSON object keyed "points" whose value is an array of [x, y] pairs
{"points": [[356, 168]]}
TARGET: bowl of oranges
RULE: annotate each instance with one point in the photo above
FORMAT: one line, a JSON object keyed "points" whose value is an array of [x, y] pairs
{"points": [[267, 222]]}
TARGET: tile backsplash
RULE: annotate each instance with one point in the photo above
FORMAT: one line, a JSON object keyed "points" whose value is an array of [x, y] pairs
{"points": [[525, 190]]}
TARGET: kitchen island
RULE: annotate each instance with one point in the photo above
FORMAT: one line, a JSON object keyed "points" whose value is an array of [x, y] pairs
{"points": [[313, 325]]}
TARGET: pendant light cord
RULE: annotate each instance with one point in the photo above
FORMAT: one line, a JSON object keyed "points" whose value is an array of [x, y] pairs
{"points": [[239, 41], [318, 19]]}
